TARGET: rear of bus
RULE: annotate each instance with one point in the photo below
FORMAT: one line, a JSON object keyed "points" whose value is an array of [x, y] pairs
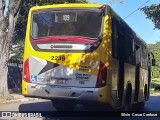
{"points": [[66, 54]]}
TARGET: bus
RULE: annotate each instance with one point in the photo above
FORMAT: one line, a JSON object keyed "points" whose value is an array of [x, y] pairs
{"points": [[84, 53]]}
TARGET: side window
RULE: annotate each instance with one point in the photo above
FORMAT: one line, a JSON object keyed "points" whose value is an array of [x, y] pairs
{"points": [[133, 47], [118, 41], [138, 54], [114, 39], [144, 60], [122, 43], [129, 49]]}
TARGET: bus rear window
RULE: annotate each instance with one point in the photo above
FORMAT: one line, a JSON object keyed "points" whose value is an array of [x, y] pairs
{"points": [[80, 23]]}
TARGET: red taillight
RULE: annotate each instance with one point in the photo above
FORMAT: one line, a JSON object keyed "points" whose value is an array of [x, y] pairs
{"points": [[102, 75], [26, 74]]}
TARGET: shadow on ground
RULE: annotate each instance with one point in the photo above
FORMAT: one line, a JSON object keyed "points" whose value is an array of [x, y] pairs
{"points": [[87, 112]]}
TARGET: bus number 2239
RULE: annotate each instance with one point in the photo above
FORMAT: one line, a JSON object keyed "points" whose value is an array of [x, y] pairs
{"points": [[58, 58]]}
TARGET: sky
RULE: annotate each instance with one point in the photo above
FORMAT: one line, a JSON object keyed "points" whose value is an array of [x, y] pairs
{"points": [[6, 9], [137, 21]]}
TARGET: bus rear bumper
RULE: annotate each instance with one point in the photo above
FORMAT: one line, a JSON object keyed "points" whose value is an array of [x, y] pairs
{"points": [[62, 92]]}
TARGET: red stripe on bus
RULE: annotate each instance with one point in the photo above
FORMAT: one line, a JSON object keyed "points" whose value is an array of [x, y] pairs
{"points": [[63, 39]]}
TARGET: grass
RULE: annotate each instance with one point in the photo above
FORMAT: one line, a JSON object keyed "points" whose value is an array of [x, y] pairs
{"points": [[154, 92], [7, 98], [156, 80], [155, 87]]}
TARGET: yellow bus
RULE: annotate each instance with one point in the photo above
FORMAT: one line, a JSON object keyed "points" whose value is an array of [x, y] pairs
{"points": [[84, 53]]}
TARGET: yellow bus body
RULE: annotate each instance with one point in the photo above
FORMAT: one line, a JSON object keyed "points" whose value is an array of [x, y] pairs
{"points": [[75, 60]]}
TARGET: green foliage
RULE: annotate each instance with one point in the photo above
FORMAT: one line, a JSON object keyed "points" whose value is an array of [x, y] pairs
{"points": [[155, 48], [153, 13], [20, 28], [113, 1], [47, 2], [9, 97], [154, 85], [17, 50]]}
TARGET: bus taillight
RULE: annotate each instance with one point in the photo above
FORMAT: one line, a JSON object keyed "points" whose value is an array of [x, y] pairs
{"points": [[26, 74], [102, 75]]}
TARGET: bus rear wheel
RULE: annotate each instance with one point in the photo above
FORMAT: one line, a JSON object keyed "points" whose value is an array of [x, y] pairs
{"points": [[128, 105], [62, 105]]}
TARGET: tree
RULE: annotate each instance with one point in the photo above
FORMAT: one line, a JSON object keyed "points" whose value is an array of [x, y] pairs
{"points": [[7, 25], [153, 13], [155, 48]]}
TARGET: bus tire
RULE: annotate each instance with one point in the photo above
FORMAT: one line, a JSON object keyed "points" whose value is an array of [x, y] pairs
{"points": [[61, 105], [128, 105], [145, 93], [140, 105]]}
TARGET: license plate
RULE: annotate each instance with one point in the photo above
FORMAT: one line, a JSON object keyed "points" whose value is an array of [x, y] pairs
{"points": [[59, 80]]}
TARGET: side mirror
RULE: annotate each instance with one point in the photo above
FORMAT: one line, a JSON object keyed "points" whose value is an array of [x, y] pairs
{"points": [[153, 62]]}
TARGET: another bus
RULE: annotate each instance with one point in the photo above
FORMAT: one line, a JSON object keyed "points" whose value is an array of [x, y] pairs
{"points": [[84, 53]]}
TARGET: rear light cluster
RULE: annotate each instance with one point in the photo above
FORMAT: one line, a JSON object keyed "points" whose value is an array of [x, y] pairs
{"points": [[102, 75], [94, 46], [26, 74]]}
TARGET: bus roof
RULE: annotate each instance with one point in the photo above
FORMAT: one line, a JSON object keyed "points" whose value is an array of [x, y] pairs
{"points": [[65, 6]]}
